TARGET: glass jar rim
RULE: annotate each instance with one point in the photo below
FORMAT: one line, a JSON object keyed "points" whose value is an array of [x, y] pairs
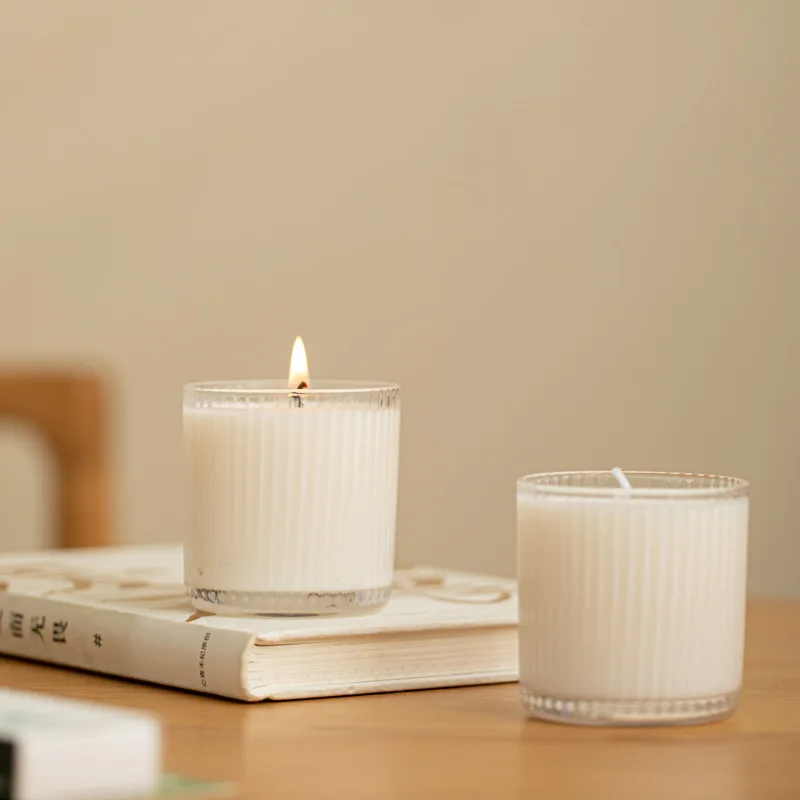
{"points": [[685, 485], [278, 387]]}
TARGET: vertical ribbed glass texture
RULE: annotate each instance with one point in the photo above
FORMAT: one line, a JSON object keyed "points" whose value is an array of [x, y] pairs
{"points": [[293, 496], [632, 603]]}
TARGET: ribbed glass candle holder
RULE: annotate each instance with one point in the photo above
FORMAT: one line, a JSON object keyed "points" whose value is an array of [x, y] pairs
{"points": [[631, 602], [293, 496]]}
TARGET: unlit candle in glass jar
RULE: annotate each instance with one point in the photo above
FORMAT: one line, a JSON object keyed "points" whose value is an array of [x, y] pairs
{"points": [[632, 603]]}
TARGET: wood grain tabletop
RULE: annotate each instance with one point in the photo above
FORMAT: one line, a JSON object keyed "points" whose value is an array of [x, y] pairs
{"points": [[472, 742]]}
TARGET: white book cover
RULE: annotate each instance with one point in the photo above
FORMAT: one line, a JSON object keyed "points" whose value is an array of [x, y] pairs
{"points": [[124, 611]]}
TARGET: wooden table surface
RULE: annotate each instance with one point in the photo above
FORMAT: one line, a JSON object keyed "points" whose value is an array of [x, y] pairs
{"points": [[473, 742]]}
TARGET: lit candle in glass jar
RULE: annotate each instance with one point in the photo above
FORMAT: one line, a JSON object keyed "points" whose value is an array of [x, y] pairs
{"points": [[293, 491]]}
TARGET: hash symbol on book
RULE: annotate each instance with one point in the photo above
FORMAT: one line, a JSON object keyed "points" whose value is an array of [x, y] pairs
{"points": [[98, 640], [37, 626], [60, 631]]}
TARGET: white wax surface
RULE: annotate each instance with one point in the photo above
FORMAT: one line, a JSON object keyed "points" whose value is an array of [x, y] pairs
{"points": [[292, 499], [632, 599]]}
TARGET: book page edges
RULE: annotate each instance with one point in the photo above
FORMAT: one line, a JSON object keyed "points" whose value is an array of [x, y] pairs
{"points": [[376, 687], [468, 627]]}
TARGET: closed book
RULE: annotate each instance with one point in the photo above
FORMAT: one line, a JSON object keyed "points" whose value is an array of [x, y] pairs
{"points": [[124, 611]]}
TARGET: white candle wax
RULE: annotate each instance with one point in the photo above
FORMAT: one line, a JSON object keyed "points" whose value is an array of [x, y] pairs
{"points": [[632, 601], [292, 503]]}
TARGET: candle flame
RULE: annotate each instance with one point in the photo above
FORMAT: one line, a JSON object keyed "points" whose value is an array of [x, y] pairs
{"points": [[298, 368]]}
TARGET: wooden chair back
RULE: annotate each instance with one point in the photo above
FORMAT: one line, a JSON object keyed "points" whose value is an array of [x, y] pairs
{"points": [[69, 410]]}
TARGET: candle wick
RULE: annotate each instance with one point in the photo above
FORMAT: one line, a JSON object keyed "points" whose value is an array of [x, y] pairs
{"points": [[622, 478], [295, 397]]}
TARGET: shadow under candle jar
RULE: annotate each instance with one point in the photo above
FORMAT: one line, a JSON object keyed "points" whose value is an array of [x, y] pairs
{"points": [[293, 496], [631, 601]]}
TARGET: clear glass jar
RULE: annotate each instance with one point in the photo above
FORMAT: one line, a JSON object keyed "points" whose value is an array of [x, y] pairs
{"points": [[632, 602], [293, 496]]}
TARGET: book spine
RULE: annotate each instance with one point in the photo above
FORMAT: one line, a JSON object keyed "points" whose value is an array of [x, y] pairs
{"points": [[187, 655]]}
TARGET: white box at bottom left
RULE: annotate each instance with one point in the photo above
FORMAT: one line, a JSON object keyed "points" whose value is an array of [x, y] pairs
{"points": [[56, 749]]}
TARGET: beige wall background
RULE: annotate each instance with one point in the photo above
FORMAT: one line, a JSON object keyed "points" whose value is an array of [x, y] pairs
{"points": [[568, 229]]}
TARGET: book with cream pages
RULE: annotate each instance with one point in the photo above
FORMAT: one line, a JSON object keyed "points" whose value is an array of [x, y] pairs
{"points": [[124, 611]]}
